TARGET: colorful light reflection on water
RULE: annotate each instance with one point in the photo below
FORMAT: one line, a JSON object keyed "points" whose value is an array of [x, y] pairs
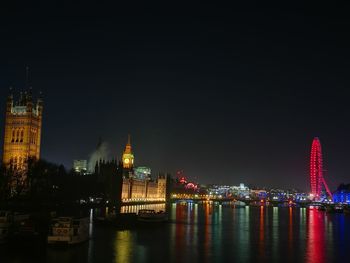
{"points": [[212, 233]]}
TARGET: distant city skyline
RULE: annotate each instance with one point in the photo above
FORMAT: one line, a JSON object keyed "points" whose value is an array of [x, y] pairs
{"points": [[226, 94]]}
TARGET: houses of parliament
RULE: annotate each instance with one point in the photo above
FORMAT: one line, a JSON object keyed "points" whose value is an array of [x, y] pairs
{"points": [[22, 141]]}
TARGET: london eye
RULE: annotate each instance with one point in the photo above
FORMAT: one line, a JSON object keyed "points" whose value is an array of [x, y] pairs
{"points": [[317, 180]]}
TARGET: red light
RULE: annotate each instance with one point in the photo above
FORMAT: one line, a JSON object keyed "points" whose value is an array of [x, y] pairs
{"points": [[183, 180], [181, 177], [316, 170], [191, 186]]}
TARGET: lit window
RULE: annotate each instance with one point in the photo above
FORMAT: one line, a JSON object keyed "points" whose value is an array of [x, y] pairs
{"points": [[17, 136], [13, 135], [22, 136]]}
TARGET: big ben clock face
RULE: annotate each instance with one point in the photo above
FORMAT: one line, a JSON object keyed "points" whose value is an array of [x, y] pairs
{"points": [[126, 161]]}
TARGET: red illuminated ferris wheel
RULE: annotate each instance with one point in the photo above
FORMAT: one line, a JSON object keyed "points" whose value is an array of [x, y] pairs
{"points": [[316, 170]]}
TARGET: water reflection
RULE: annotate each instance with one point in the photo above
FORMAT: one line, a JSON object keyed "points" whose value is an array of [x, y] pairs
{"points": [[173, 229], [217, 232], [315, 237], [302, 225], [211, 233], [275, 234], [207, 230], [191, 227], [135, 208], [123, 246], [261, 234], [243, 239], [91, 228], [290, 232], [180, 244], [195, 214]]}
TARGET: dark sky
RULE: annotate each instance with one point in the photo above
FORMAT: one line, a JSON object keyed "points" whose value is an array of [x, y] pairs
{"points": [[230, 94]]}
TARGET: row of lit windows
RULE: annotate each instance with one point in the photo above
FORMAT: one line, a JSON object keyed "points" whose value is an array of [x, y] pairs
{"points": [[33, 136], [17, 135], [18, 122], [17, 162]]}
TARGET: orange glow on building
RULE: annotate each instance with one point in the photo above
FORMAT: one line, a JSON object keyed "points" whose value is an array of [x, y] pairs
{"points": [[22, 137]]}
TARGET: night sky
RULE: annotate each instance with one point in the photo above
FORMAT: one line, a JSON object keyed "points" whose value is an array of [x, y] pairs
{"points": [[229, 94]]}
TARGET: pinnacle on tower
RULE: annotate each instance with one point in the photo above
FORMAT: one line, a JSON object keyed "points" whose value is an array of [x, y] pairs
{"points": [[27, 77], [30, 93], [10, 96], [129, 139]]}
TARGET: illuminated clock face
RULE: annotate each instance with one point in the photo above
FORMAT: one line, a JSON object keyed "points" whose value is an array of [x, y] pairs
{"points": [[126, 161]]}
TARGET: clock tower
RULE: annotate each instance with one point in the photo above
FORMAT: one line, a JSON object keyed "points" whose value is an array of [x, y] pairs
{"points": [[128, 156]]}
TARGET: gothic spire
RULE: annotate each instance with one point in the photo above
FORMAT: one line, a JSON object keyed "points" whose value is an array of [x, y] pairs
{"points": [[129, 139], [27, 77]]}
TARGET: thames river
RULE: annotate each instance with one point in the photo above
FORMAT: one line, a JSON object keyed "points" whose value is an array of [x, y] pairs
{"points": [[208, 233]]}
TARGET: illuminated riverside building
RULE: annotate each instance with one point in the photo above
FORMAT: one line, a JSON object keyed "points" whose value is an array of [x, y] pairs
{"points": [[222, 190], [342, 195], [80, 166], [258, 194], [22, 139], [144, 190], [240, 191], [226, 190], [136, 183]]}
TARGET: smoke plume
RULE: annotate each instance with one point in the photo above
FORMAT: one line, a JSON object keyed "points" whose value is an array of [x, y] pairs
{"points": [[102, 152]]}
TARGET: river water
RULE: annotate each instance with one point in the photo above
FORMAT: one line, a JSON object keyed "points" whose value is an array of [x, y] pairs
{"points": [[209, 233]]}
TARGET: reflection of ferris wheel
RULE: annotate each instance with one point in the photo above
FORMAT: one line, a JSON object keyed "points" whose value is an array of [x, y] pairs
{"points": [[180, 176]]}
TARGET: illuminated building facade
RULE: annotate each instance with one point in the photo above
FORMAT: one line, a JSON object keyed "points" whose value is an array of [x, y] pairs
{"points": [[342, 195], [142, 172], [128, 156], [240, 191], [80, 166], [258, 194], [135, 184], [134, 190], [22, 139]]}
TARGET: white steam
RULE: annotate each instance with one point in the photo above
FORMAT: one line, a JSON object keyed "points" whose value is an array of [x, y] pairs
{"points": [[102, 153]]}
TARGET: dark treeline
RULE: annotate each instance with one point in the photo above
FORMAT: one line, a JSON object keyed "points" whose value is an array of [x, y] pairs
{"points": [[48, 184]]}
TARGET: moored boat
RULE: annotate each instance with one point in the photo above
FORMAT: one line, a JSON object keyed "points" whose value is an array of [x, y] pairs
{"points": [[339, 209], [148, 215], [335, 209], [68, 231], [24, 226], [6, 221]]}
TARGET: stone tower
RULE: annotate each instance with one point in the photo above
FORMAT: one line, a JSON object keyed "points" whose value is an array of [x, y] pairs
{"points": [[128, 156], [162, 186], [22, 139]]}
